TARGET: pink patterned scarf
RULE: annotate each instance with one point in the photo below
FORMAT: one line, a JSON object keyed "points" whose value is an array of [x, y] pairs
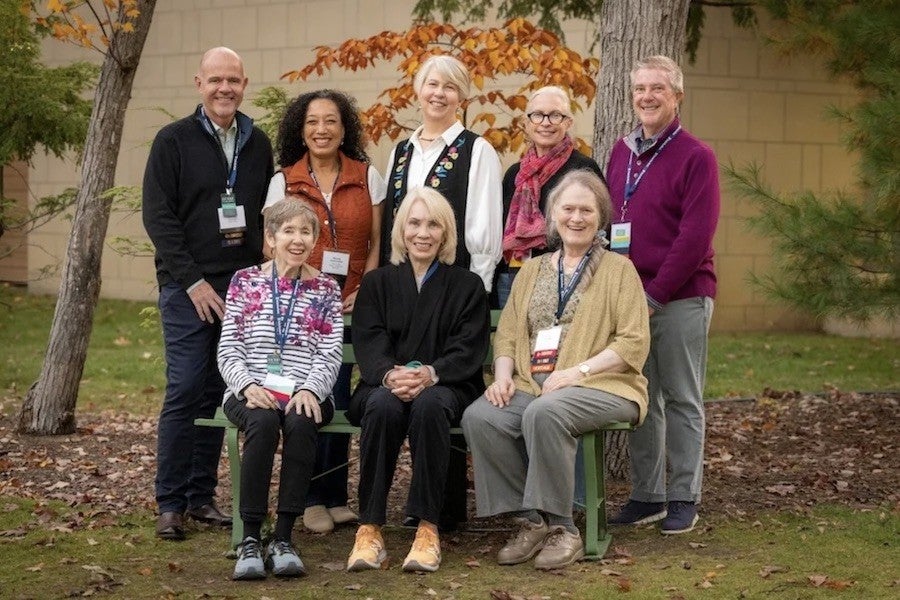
{"points": [[525, 225]]}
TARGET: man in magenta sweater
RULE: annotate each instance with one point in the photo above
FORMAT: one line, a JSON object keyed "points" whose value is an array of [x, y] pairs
{"points": [[664, 186]]}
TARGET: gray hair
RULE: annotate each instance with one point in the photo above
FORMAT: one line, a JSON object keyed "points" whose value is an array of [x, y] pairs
{"points": [[587, 179], [665, 64], [287, 209], [451, 68], [552, 90]]}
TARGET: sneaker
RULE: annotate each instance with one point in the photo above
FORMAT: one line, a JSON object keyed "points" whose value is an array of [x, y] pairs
{"points": [[368, 550], [525, 544], [561, 549], [317, 519], [249, 563], [282, 559], [425, 554], [342, 514], [639, 513], [682, 518]]}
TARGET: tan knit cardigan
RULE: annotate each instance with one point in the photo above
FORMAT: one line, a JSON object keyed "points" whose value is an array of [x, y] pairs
{"points": [[612, 313]]}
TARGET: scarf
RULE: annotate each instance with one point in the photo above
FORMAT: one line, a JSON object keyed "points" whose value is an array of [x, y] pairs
{"points": [[526, 228]]}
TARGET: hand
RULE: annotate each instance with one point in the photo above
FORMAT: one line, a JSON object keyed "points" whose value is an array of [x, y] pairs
{"points": [[407, 383], [257, 397], [207, 302], [349, 303], [307, 402], [500, 392], [561, 379]]}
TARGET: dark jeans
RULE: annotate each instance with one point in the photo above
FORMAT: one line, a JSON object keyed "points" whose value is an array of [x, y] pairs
{"points": [[332, 451], [386, 422], [187, 456], [262, 427]]}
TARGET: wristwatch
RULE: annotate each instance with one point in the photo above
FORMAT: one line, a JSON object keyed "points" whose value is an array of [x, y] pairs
{"points": [[584, 369]]}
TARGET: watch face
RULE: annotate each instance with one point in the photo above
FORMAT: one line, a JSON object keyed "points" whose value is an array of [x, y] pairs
{"points": [[585, 369]]}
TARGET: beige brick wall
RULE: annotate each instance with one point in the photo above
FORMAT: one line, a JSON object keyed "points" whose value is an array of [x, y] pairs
{"points": [[749, 104], [13, 243]]}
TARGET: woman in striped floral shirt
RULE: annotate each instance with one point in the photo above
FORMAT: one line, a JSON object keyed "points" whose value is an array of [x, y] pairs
{"points": [[279, 355]]}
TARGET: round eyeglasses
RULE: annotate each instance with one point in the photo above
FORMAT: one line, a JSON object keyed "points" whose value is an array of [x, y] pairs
{"points": [[555, 118]]}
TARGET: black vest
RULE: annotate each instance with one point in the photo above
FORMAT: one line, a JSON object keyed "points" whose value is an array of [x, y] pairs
{"points": [[452, 182]]}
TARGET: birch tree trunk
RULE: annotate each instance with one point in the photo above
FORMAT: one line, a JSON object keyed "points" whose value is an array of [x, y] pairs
{"points": [[629, 31], [49, 406]]}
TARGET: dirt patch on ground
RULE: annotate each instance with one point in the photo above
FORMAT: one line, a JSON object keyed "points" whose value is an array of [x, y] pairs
{"points": [[783, 451]]}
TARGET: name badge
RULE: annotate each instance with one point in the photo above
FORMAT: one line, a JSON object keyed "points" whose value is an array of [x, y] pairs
{"points": [[232, 224], [620, 238], [335, 262], [229, 205], [546, 350], [281, 387]]}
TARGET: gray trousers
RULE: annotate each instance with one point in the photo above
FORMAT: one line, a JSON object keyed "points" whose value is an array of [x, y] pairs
{"points": [[675, 422], [524, 453]]}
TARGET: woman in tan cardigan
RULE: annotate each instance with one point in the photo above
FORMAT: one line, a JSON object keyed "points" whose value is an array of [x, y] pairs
{"points": [[569, 349]]}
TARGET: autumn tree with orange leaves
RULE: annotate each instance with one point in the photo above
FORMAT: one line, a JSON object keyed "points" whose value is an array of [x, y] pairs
{"points": [[117, 29], [497, 59]]}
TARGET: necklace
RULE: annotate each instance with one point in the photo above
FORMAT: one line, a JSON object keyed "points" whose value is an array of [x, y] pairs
{"points": [[421, 139]]}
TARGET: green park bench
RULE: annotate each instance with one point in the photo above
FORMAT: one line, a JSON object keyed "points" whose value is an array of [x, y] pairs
{"points": [[597, 537]]}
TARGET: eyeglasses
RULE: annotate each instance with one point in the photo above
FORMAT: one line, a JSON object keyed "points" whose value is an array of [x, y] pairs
{"points": [[555, 118]]}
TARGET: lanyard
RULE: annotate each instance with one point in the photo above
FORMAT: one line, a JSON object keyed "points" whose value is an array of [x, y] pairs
{"points": [[232, 168], [630, 188], [564, 292], [430, 271], [332, 226], [282, 326]]}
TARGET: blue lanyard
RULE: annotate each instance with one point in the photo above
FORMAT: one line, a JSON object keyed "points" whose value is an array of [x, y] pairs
{"points": [[430, 271], [564, 292], [332, 226], [630, 188], [282, 326], [232, 169]]}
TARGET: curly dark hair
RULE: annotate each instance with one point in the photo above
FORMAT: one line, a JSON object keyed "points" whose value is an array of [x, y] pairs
{"points": [[290, 146]]}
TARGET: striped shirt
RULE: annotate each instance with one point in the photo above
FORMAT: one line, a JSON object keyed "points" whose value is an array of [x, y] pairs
{"points": [[314, 347]]}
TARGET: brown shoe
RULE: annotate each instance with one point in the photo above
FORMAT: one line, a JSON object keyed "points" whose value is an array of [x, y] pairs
{"points": [[208, 513], [525, 544], [561, 549], [368, 550], [170, 526]]}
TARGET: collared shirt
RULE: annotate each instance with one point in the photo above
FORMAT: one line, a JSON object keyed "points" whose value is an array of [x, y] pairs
{"points": [[227, 137], [638, 144]]}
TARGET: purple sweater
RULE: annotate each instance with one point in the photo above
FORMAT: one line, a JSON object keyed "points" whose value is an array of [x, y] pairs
{"points": [[673, 215]]}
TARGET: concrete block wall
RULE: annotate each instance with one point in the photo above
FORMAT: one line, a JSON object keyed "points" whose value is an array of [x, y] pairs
{"points": [[746, 102]]}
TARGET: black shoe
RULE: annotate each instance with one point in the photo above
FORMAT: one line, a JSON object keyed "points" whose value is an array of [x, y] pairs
{"points": [[681, 519], [170, 526], [208, 513], [639, 513]]}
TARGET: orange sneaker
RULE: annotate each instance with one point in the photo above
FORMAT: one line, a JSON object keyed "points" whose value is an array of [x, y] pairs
{"points": [[425, 554], [368, 550]]}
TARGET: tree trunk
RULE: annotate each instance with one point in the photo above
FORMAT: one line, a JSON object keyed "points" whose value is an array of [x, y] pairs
{"points": [[49, 406], [629, 31]]}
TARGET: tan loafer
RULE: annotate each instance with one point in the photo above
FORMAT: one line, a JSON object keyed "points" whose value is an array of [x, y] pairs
{"points": [[342, 514], [317, 519], [561, 549]]}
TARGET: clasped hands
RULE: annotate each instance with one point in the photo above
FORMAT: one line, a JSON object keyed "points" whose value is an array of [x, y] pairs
{"points": [[304, 400], [408, 382], [501, 391]]}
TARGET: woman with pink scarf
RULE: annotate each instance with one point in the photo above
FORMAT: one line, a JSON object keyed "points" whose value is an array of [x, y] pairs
{"points": [[527, 183]]}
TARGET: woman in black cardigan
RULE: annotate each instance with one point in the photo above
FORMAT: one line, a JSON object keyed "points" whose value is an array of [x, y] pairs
{"points": [[421, 329]]}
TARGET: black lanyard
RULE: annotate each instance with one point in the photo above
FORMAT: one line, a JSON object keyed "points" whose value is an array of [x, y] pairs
{"points": [[630, 188], [232, 167], [564, 292], [282, 326]]}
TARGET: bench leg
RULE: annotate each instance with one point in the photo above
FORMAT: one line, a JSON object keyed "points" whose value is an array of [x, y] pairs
{"points": [[234, 463], [597, 537]]}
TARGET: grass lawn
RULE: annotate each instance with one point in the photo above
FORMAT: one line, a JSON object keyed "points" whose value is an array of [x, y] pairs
{"points": [[56, 551], [125, 368]]}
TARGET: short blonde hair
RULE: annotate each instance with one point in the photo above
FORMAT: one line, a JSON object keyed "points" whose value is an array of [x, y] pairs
{"points": [[587, 179], [666, 65], [287, 209], [439, 209], [450, 68], [552, 90]]}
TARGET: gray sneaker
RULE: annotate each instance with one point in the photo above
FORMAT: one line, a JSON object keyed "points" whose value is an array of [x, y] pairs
{"points": [[282, 559], [525, 544], [249, 563], [561, 549]]}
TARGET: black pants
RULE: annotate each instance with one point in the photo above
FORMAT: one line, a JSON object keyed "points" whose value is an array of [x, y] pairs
{"points": [[262, 427], [386, 422]]}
